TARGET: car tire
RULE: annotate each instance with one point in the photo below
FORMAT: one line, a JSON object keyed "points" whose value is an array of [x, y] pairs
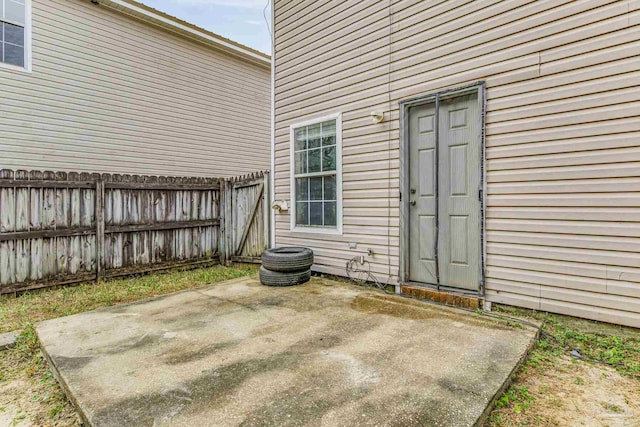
{"points": [[278, 278], [287, 259]]}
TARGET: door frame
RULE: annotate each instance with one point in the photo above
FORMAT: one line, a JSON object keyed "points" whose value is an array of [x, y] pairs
{"points": [[405, 105]]}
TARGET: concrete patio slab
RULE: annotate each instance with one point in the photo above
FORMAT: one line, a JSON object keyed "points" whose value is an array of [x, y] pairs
{"points": [[322, 354]]}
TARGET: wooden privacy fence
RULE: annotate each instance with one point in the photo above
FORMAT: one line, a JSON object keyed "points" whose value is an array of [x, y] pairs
{"points": [[58, 228]]}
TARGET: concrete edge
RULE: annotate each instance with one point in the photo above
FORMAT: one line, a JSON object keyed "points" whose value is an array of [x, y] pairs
{"points": [[9, 339], [482, 419], [63, 384]]}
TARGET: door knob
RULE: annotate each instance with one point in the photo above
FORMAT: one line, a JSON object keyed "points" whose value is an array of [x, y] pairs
{"points": [[413, 203]]}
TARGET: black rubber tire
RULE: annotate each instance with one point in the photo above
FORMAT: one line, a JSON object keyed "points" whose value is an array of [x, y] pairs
{"points": [[277, 278], [287, 259]]}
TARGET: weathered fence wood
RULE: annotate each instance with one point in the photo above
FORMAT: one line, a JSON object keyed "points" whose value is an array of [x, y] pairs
{"points": [[250, 219], [99, 206], [59, 228]]}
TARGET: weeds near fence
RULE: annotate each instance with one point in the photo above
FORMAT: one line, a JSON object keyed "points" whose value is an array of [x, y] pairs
{"points": [[35, 306]]}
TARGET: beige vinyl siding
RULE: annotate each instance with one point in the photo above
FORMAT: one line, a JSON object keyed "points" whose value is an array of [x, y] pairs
{"points": [[111, 93], [562, 134]]}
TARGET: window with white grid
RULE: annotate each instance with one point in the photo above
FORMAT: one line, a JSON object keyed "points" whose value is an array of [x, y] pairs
{"points": [[13, 32], [316, 180]]}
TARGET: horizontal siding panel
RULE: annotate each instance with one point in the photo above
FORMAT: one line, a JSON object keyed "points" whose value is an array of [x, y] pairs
{"points": [[574, 117], [605, 272], [603, 99], [566, 308], [607, 170], [617, 52], [327, 22], [601, 128], [622, 155], [512, 298], [500, 46], [569, 94], [619, 259], [588, 213], [601, 142], [563, 82], [509, 37], [608, 243], [600, 286], [595, 312], [616, 35], [567, 187], [590, 228], [55, 153]]}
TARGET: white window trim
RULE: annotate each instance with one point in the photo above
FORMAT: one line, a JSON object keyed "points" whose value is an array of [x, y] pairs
{"points": [[316, 229], [27, 42]]}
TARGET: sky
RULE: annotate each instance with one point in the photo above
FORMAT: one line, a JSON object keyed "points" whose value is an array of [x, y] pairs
{"points": [[239, 20]]}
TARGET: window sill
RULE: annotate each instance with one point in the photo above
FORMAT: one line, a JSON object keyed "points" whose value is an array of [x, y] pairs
{"points": [[14, 68], [319, 230]]}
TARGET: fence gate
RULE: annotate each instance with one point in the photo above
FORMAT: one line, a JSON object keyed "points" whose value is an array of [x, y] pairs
{"points": [[246, 218]]}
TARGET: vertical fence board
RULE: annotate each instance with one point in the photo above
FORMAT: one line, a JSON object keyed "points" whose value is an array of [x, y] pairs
{"points": [[35, 223]]}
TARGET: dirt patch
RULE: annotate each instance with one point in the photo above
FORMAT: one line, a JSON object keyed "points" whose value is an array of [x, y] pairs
{"points": [[570, 393], [29, 396]]}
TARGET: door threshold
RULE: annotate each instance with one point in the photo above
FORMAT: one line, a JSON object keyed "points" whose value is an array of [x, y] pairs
{"points": [[442, 295]]}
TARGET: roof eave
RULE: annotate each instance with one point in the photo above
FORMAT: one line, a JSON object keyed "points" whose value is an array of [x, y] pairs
{"points": [[145, 13]]}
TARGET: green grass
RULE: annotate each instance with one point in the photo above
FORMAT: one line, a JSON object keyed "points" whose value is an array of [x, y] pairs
{"points": [[518, 397], [25, 363], [599, 343], [611, 345], [42, 401], [35, 306]]}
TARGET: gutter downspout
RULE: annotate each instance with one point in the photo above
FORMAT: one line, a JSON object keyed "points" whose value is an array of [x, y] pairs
{"points": [[272, 185]]}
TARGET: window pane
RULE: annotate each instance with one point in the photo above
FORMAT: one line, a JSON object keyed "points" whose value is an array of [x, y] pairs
{"points": [[330, 213], [302, 189], [328, 140], [301, 162], [14, 34], [14, 55], [314, 160], [315, 213], [329, 158], [315, 188], [329, 128], [300, 137], [302, 213], [329, 188], [314, 136], [14, 11]]}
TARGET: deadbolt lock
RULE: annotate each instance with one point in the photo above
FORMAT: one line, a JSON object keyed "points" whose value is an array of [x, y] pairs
{"points": [[413, 191]]}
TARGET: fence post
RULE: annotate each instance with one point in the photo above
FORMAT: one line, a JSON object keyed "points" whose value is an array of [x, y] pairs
{"points": [[267, 210], [228, 220], [99, 227], [222, 229]]}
